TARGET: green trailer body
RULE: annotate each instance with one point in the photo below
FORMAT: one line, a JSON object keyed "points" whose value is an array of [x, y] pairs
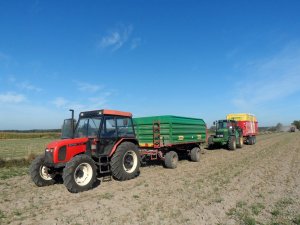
{"points": [[167, 131]]}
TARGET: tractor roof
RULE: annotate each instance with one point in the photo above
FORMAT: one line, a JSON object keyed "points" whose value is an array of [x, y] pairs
{"points": [[116, 113], [104, 112]]}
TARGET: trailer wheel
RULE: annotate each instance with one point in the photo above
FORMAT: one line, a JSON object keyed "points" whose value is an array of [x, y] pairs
{"points": [[254, 140], [79, 174], [40, 174], [195, 154], [210, 143], [240, 142], [249, 141], [171, 159], [232, 143], [125, 162]]}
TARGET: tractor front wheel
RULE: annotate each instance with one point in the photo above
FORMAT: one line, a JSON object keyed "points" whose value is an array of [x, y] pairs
{"points": [[125, 162], [79, 174], [232, 143], [240, 142], [40, 174]]}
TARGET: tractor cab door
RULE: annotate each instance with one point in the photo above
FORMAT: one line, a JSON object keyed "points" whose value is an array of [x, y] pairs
{"points": [[231, 127], [108, 135]]}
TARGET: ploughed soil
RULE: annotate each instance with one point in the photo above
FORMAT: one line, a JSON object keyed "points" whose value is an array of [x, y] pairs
{"points": [[258, 184]]}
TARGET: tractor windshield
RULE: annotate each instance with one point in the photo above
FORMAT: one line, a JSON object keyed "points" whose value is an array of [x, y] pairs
{"points": [[88, 127], [222, 124]]}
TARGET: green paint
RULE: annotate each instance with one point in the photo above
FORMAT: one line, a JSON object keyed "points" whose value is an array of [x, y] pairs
{"points": [[173, 129]]}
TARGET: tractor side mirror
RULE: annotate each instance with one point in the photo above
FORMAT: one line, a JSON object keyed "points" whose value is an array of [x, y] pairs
{"points": [[214, 123]]}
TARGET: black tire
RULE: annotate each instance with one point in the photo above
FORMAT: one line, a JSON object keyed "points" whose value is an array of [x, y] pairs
{"points": [[40, 174], [232, 143], [125, 162], [210, 143], [211, 147], [195, 154], [240, 142], [254, 140], [171, 160], [251, 140], [79, 174]]}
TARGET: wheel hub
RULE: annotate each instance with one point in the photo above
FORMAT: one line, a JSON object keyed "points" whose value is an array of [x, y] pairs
{"points": [[130, 161], [83, 174], [45, 173]]}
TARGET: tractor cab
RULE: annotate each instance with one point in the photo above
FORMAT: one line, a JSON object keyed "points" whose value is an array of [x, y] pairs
{"points": [[225, 126], [97, 124]]}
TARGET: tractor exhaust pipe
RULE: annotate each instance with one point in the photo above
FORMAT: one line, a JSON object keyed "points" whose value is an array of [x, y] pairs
{"points": [[73, 128]]}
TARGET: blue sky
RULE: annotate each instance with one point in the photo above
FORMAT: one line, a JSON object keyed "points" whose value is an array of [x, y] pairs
{"points": [[191, 58]]}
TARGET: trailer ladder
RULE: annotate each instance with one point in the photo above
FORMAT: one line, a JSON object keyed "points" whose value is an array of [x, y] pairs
{"points": [[156, 134]]}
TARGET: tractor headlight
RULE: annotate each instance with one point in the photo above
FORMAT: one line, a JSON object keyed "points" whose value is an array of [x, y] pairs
{"points": [[220, 135], [49, 150]]}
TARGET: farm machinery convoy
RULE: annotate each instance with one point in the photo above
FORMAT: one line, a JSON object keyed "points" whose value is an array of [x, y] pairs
{"points": [[109, 142]]}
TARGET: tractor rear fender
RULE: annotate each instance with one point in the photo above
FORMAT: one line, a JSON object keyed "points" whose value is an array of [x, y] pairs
{"points": [[133, 140]]}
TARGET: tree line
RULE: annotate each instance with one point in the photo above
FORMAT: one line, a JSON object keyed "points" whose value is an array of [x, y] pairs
{"points": [[296, 123]]}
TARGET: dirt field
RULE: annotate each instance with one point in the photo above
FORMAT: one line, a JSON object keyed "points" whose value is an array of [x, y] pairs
{"points": [[258, 184]]}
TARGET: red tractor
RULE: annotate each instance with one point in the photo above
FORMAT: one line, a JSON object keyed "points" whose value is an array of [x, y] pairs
{"points": [[101, 142]]}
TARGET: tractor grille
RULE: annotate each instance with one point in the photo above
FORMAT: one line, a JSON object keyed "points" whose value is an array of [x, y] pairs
{"points": [[62, 153], [48, 157]]}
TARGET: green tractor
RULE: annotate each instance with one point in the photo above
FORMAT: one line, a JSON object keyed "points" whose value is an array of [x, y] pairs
{"points": [[228, 134]]}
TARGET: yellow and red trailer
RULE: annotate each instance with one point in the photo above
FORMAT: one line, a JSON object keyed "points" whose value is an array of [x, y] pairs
{"points": [[249, 125]]}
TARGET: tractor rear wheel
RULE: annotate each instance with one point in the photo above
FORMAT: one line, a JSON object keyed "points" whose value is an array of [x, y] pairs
{"points": [[125, 162], [195, 154], [171, 160], [240, 142], [79, 174], [40, 174], [231, 143]]}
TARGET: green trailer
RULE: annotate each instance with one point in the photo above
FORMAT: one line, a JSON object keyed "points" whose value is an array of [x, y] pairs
{"points": [[166, 137]]}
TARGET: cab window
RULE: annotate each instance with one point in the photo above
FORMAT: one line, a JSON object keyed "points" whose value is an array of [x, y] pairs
{"points": [[109, 127], [124, 127]]}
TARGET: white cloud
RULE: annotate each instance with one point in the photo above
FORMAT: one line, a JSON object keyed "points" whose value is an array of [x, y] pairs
{"points": [[11, 97], [86, 87], [270, 79], [116, 38], [97, 102], [60, 102], [29, 87], [135, 43], [23, 85], [89, 103]]}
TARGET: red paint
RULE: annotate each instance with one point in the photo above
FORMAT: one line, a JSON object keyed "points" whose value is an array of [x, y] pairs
{"points": [[250, 128], [74, 147], [118, 143], [116, 113]]}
